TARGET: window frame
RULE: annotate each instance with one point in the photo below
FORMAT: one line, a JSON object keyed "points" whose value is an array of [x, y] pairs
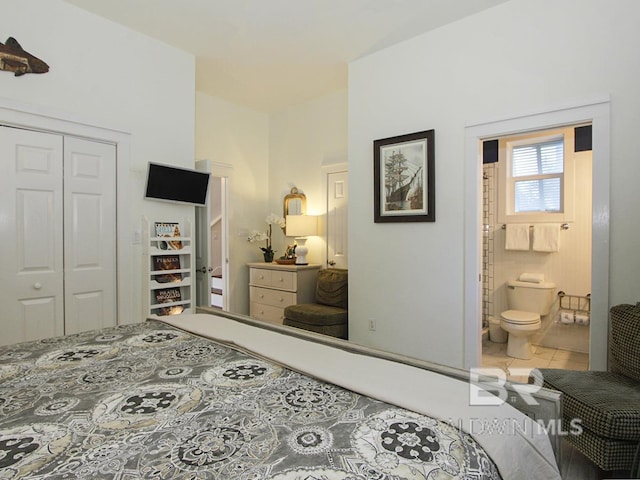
{"points": [[506, 182]]}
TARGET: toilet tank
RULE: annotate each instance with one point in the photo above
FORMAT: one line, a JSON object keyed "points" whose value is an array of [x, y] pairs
{"points": [[530, 297]]}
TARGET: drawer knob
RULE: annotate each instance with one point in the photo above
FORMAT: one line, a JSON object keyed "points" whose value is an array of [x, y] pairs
{"points": [[261, 295]]}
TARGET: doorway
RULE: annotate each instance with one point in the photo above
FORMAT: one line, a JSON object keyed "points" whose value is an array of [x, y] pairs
{"points": [[212, 258], [595, 112], [42, 119], [530, 179]]}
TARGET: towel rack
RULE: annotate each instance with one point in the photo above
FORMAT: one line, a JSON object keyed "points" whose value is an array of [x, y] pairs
{"points": [[564, 226]]}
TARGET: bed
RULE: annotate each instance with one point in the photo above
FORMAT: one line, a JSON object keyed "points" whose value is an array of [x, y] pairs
{"points": [[205, 396]]}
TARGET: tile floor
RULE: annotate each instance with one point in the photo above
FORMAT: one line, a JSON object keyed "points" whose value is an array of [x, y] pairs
{"points": [[495, 355]]}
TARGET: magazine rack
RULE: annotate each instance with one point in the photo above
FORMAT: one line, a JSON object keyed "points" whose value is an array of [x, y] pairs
{"points": [[168, 266]]}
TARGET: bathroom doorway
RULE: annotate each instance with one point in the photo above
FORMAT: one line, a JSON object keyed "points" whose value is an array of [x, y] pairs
{"points": [[595, 113], [550, 174]]}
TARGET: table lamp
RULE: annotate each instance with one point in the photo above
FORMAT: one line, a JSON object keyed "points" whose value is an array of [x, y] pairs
{"points": [[301, 227]]}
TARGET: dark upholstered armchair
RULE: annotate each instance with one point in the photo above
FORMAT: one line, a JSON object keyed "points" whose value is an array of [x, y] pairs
{"points": [[329, 315], [608, 403]]}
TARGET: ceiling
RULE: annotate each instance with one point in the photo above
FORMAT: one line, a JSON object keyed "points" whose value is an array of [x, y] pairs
{"points": [[270, 54]]}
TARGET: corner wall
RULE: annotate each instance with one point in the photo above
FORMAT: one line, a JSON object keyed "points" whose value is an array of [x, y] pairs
{"points": [[264, 156], [237, 138], [499, 63], [302, 140]]}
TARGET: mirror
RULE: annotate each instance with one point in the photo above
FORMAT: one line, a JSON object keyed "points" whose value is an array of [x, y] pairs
{"points": [[295, 203]]}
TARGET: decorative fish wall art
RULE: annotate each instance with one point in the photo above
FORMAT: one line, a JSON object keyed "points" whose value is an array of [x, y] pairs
{"points": [[13, 58]]}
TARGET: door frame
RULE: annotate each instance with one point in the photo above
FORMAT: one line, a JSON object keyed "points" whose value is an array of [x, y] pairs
{"points": [[326, 171], [31, 117], [223, 171], [596, 111]]}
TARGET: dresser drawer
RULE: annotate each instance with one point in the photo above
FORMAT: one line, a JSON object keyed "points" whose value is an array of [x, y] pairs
{"points": [[273, 287], [267, 313], [275, 298], [273, 279]]}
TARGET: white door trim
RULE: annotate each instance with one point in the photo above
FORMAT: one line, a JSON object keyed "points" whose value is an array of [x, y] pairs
{"points": [[32, 117], [597, 111], [225, 172]]}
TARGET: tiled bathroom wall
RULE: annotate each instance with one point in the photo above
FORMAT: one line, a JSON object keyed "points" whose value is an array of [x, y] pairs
{"points": [[488, 221]]}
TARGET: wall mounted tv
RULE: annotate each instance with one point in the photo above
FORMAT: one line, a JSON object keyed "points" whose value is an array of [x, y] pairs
{"points": [[175, 184]]}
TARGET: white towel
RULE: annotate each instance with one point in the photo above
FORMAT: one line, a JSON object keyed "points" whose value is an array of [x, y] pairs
{"points": [[516, 237], [532, 277], [546, 237]]}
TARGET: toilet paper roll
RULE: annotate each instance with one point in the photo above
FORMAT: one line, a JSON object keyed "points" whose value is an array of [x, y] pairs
{"points": [[566, 316], [582, 318]]}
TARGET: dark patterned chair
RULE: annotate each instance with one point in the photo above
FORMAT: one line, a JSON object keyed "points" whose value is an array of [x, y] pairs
{"points": [[329, 315], [608, 403]]}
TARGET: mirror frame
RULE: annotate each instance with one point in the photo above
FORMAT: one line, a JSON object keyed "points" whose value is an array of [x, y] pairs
{"points": [[294, 195]]}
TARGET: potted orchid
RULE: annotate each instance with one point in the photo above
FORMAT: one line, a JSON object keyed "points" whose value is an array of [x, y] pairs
{"points": [[265, 236]]}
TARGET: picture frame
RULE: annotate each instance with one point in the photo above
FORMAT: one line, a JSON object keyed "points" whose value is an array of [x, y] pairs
{"points": [[404, 178]]}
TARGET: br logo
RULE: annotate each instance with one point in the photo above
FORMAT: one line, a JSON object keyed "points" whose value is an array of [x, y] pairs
{"points": [[487, 386]]}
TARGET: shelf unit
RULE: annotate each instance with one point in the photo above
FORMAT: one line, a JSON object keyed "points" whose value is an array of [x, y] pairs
{"points": [[152, 287]]}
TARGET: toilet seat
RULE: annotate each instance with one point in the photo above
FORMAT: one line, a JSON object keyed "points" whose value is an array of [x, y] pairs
{"points": [[520, 317]]}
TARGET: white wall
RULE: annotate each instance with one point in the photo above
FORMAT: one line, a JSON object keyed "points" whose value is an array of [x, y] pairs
{"points": [[302, 140], [111, 77], [236, 138], [515, 58]]}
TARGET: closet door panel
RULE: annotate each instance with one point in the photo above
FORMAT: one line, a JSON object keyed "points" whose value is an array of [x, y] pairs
{"points": [[90, 236], [32, 313], [31, 235]]}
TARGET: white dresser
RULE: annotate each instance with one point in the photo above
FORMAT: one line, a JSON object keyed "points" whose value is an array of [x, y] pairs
{"points": [[273, 287]]}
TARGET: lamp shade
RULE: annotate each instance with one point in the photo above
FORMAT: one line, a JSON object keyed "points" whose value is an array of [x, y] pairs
{"points": [[301, 225]]}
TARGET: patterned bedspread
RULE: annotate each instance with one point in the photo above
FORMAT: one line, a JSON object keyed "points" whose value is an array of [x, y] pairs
{"points": [[147, 401]]}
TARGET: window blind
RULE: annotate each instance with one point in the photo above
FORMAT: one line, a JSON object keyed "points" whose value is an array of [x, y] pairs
{"points": [[537, 171]]}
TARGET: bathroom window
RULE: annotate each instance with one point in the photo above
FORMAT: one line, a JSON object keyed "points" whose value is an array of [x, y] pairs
{"points": [[537, 177], [537, 174]]}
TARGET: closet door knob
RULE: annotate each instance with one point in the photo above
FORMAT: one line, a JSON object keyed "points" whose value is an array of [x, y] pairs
{"points": [[37, 285]]}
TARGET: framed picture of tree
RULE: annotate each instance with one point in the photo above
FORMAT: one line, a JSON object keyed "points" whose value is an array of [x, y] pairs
{"points": [[404, 178]]}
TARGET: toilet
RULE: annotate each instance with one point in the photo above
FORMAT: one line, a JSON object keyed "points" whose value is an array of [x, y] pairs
{"points": [[527, 301]]}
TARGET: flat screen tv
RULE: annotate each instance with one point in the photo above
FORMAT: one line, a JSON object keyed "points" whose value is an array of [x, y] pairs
{"points": [[175, 184]]}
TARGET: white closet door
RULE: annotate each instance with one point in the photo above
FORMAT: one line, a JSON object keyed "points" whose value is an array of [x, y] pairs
{"points": [[31, 235], [90, 234]]}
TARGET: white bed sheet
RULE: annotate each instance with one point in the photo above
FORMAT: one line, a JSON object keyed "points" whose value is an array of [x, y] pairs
{"points": [[522, 452]]}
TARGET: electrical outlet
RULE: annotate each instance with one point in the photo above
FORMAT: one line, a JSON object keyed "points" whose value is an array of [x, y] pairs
{"points": [[372, 325]]}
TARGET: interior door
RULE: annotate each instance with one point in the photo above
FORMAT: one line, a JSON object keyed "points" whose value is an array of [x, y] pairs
{"points": [[90, 236], [212, 258], [337, 203], [31, 235]]}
